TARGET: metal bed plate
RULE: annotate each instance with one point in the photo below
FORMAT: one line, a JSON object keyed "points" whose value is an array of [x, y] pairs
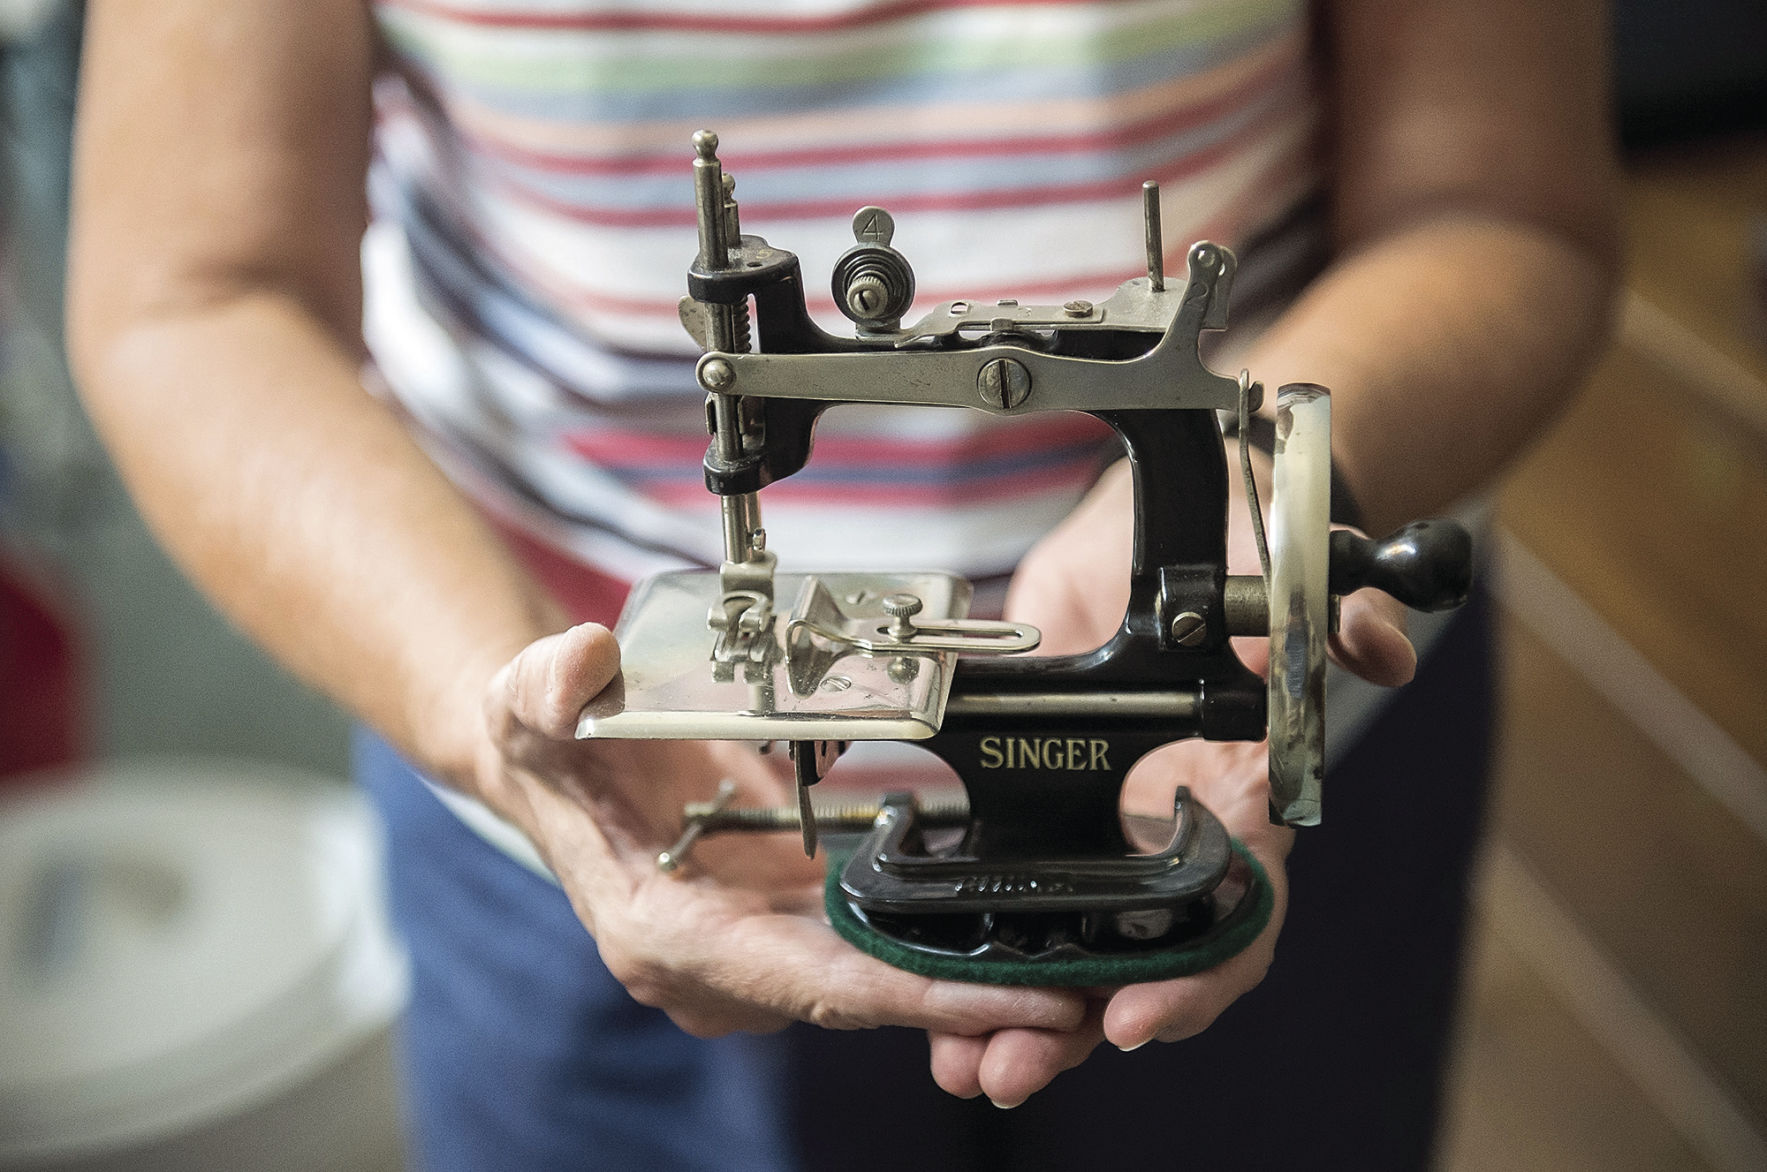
{"points": [[670, 688]]}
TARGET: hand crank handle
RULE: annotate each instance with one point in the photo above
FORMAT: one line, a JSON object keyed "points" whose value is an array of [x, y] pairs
{"points": [[1427, 565]]}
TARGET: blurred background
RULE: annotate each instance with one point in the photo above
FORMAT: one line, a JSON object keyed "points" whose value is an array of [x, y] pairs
{"points": [[1617, 1008], [195, 971]]}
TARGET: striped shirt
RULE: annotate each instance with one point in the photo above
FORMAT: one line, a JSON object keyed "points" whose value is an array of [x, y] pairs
{"points": [[534, 223]]}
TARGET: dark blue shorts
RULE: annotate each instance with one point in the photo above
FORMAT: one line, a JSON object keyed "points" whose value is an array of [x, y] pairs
{"points": [[521, 1052]]}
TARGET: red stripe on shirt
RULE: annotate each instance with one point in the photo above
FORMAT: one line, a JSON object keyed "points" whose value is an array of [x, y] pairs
{"points": [[682, 216], [881, 13], [1167, 122], [1222, 229]]}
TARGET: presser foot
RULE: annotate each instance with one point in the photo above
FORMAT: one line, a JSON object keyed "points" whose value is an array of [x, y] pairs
{"points": [[916, 901]]}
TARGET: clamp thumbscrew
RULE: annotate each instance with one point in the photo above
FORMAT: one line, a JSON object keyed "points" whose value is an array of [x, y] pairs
{"points": [[669, 861], [902, 608]]}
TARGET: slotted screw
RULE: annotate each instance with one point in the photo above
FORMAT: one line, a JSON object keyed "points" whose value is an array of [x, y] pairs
{"points": [[1189, 629], [1004, 382]]}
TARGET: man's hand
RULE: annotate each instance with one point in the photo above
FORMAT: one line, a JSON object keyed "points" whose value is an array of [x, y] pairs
{"points": [[1075, 586], [735, 941]]}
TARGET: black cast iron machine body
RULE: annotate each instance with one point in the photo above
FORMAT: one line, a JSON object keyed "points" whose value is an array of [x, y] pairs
{"points": [[1037, 867]]}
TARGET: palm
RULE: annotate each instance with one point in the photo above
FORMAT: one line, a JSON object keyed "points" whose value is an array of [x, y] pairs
{"points": [[736, 940]]}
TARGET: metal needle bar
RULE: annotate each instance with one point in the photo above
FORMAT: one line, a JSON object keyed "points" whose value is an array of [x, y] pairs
{"points": [[719, 229]]}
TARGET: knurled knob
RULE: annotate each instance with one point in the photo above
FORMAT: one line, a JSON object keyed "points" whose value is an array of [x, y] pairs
{"points": [[902, 608], [868, 296]]}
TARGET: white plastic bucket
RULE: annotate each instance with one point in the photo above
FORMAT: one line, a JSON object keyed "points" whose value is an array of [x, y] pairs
{"points": [[195, 973]]}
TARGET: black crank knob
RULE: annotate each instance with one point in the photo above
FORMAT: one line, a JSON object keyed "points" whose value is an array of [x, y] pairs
{"points": [[1427, 565]]}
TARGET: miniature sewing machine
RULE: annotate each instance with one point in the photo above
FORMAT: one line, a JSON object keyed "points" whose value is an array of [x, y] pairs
{"points": [[1036, 880]]}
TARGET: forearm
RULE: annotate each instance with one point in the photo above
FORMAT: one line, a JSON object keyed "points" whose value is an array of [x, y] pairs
{"points": [[301, 506], [214, 310], [1473, 211], [1446, 345]]}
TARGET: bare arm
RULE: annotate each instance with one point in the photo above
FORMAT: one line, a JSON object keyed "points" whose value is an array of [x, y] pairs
{"points": [[215, 309], [1474, 211]]}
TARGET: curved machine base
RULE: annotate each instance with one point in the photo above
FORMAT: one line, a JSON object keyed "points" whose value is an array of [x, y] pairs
{"points": [[1048, 948]]}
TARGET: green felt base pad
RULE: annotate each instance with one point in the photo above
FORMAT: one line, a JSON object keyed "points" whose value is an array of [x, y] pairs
{"points": [[1225, 940]]}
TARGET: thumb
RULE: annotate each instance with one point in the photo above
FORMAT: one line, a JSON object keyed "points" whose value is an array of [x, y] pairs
{"points": [[547, 684], [1371, 639]]}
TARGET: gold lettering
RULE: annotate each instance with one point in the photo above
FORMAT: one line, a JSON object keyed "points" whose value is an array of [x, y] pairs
{"points": [[1071, 753]]}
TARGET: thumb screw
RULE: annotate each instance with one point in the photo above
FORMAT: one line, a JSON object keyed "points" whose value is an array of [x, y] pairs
{"points": [[902, 608], [669, 861], [867, 295]]}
